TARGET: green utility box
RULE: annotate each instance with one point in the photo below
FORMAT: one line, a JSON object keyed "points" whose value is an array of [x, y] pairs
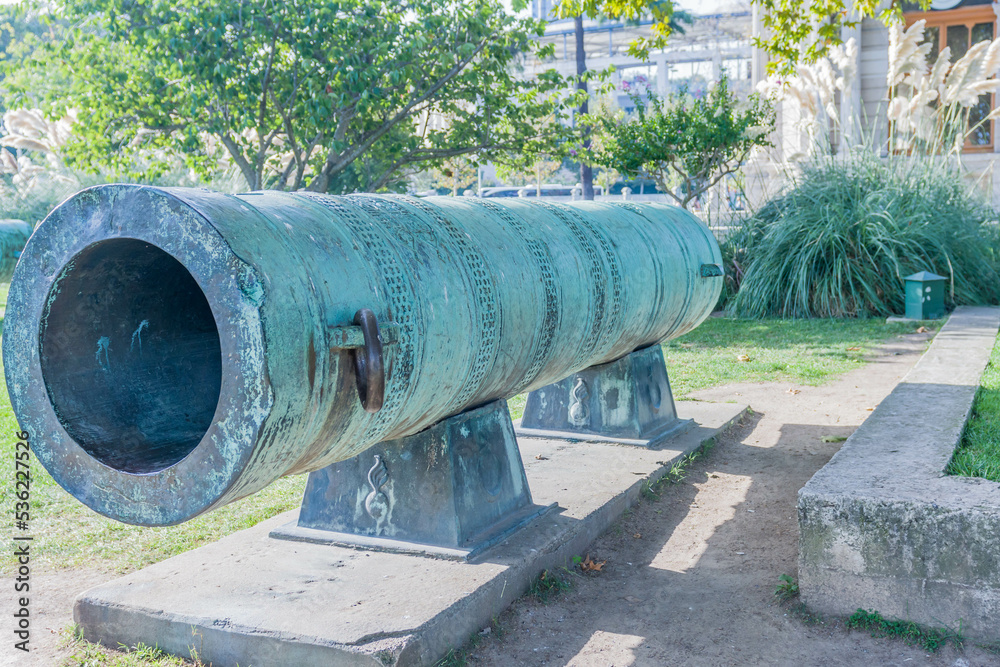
{"points": [[924, 296]]}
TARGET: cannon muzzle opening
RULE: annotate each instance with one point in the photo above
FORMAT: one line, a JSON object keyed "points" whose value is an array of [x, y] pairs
{"points": [[130, 355], [134, 356]]}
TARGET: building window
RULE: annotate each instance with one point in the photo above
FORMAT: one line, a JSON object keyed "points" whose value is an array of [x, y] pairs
{"points": [[959, 29]]}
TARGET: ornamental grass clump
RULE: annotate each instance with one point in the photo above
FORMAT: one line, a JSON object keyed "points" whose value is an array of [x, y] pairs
{"points": [[839, 241], [936, 106]]}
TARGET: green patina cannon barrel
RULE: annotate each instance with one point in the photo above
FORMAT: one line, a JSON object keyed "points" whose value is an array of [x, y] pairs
{"points": [[173, 350], [13, 235]]}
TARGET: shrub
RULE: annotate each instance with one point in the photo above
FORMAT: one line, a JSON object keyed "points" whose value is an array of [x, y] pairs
{"points": [[840, 239], [686, 144]]}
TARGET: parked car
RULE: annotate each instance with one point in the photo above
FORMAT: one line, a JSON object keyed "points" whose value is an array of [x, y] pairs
{"points": [[548, 190], [639, 187]]}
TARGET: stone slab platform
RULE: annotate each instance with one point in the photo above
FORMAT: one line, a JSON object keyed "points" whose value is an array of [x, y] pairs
{"points": [[882, 527], [255, 601]]}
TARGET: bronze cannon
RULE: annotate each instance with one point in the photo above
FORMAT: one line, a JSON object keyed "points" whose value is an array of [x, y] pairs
{"points": [[173, 350]]}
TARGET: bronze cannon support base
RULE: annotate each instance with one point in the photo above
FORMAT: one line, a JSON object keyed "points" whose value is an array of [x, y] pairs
{"points": [[450, 491], [627, 401]]}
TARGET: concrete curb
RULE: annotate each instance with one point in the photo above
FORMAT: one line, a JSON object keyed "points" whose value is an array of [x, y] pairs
{"points": [[882, 527]]}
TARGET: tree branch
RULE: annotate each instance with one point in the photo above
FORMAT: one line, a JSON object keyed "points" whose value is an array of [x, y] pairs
{"points": [[237, 155], [337, 162]]}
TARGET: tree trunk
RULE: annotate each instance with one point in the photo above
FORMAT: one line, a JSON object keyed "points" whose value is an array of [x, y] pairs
{"points": [[586, 172], [319, 183]]}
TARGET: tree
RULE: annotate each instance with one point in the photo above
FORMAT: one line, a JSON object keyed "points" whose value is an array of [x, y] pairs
{"points": [[805, 31], [796, 31], [666, 20], [586, 171], [454, 173], [328, 96], [21, 32], [687, 145], [530, 168]]}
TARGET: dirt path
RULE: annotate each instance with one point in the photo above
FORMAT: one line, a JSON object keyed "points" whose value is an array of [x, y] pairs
{"points": [[690, 577]]}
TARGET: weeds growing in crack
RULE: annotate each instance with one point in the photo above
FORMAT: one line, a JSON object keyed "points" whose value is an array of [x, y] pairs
{"points": [[549, 584], [460, 657], [787, 588], [930, 639], [678, 472]]}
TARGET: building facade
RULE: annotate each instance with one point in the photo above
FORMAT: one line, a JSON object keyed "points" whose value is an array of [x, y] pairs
{"points": [[863, 106], [694, 59]]}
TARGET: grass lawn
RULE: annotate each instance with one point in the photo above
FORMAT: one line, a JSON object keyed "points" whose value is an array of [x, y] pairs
{"points": [[68, 535], [978, 455], [722, 351], [86, 654]]}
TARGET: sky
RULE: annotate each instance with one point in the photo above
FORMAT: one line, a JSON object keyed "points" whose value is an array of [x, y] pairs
{"points": [[704, 6]]}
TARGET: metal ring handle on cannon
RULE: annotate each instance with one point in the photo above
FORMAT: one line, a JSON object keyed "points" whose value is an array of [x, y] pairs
{"points": [[368, 362]]}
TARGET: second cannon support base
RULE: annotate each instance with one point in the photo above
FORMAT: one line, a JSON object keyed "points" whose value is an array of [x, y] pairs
{"points": [[626, 401]]}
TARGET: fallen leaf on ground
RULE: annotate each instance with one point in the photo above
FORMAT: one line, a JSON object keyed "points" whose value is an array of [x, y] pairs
{"points": [[590, 565], [853, 349], [923, 330], [637, 535], [541, 458], [869, 409], [794, 391], [743, 357], [632, 598]]}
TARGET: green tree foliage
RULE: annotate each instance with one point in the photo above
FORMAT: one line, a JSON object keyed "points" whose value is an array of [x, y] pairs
{"points": [[666, 19], [455, 173], [21, 32], [686, 145], [531, 169], [317, 94], [840, 240], [794, 31], [804, 31], [18, 32]]}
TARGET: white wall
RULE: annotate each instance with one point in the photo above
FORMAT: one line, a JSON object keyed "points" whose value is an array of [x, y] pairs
{"points": [[873, 69]]}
